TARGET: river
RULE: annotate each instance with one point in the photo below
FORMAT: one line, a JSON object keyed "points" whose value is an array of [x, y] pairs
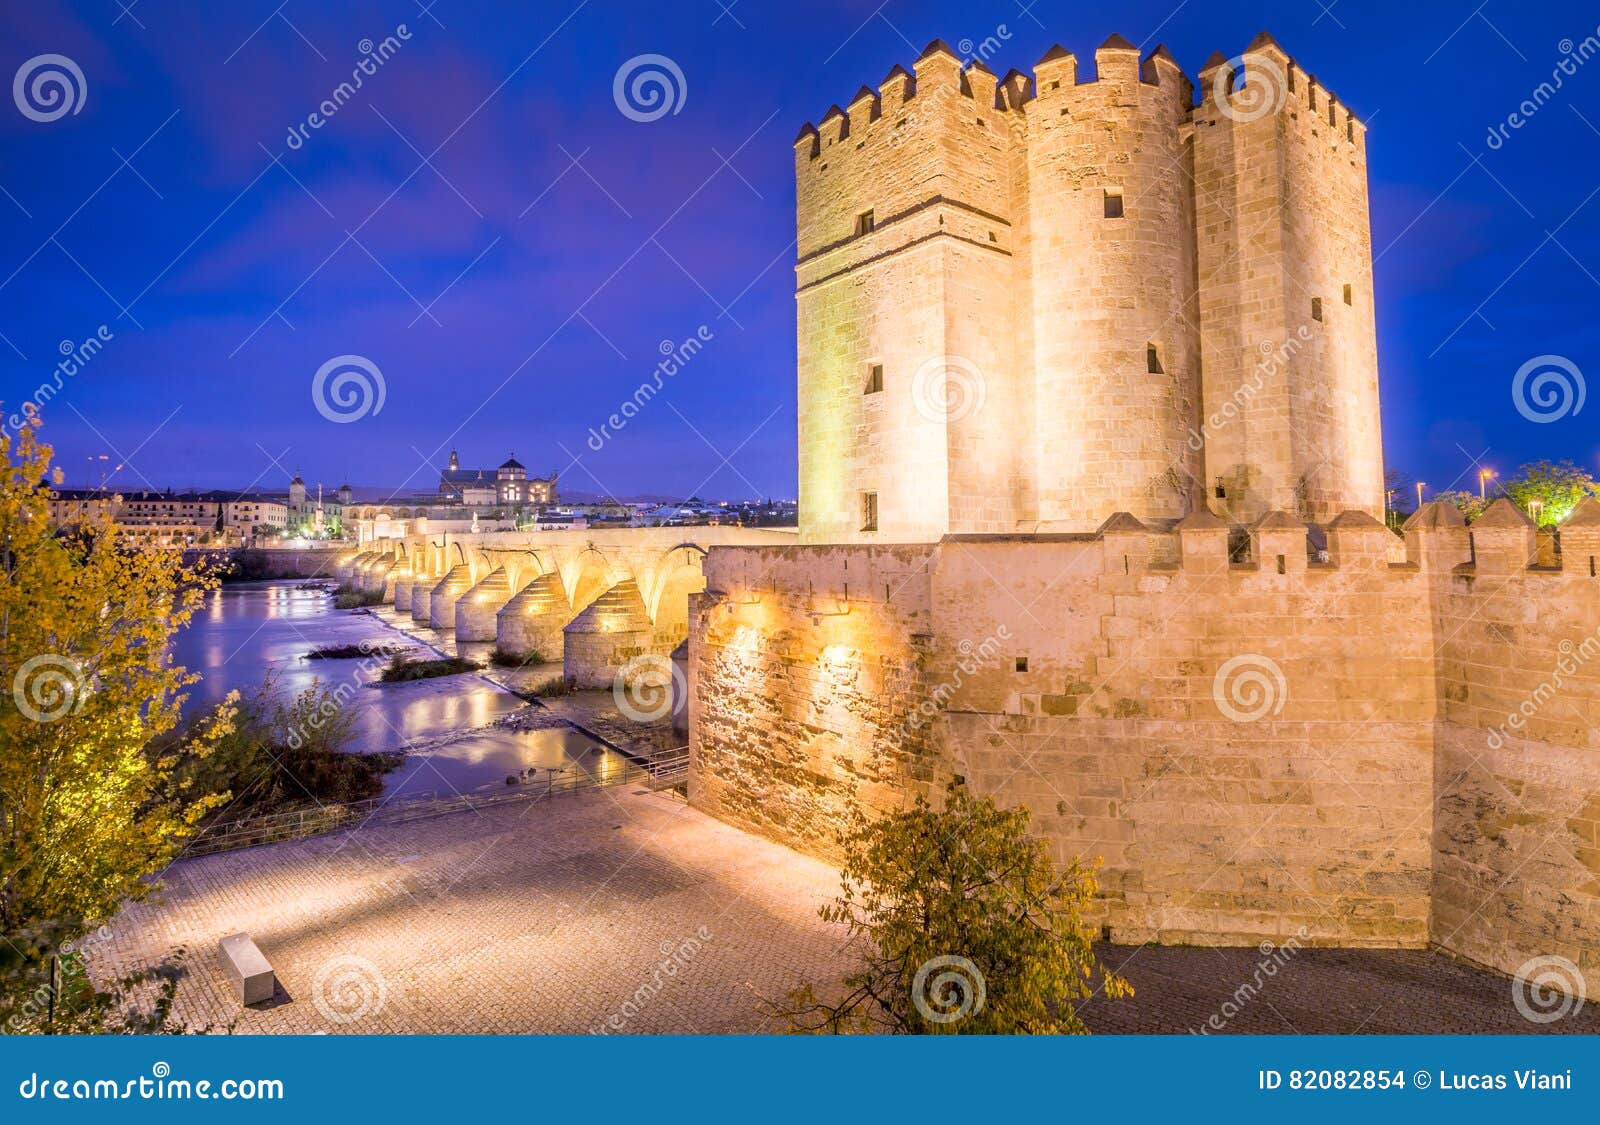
{"points": [[247, 630]]}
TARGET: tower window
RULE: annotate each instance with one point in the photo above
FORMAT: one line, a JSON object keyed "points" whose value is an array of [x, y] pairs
{"points": [[1349, 295], [874, 379], [1316, 308], [869, 511], [1022, 663], [1152, 360], [864, 223], [1113, 203]]}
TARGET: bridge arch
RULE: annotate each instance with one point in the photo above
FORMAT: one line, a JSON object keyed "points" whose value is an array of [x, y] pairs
{"points": [[676, 574], [588, 575]]}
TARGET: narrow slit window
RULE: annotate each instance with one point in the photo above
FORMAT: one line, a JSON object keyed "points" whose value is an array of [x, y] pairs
{"points": [[1022, 663], [1349, 295], [1113, 203], [1316, 308], [869, 511], [864, 223], [874, 379], [1152, 360]]}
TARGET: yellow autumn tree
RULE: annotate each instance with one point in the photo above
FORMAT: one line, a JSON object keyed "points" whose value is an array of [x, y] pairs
{"points": [[90, 811]]}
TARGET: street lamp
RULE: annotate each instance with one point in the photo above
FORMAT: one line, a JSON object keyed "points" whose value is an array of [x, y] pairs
{"points": [[1484, 475], [1419, 494]]}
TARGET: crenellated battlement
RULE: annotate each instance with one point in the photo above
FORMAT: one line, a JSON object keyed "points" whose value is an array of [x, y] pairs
{"points": [[1265, 82], [1262, 80]]}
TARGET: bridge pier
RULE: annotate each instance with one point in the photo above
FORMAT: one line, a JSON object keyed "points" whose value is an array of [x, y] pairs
{"points": [[350, 572], [373, 575], [476, 610], [612, 631], [420, 591], [532, 620], [442, 598], [404, 578]]}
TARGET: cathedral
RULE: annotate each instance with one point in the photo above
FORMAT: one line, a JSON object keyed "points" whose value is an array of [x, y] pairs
{"points": [[507, 486]]}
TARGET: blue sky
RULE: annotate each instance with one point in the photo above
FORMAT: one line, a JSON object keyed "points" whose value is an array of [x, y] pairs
{"points": [[513, 253]]}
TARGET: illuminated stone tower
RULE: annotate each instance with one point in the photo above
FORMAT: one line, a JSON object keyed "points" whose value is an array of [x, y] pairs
{"points": [[1027, 303]]}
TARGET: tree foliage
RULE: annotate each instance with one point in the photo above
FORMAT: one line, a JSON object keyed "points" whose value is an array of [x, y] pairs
{"points": [[968, 925], [1549, 490], [1546, 490], [90, 812], [1469, 504]]}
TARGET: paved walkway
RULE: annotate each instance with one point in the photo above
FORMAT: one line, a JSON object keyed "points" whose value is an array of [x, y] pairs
{"points": [[621, 908], [627, 910], [1315, 992]]}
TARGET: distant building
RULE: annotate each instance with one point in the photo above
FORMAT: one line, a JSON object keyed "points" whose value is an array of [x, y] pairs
{"points": [[174, 519], [509, 486]]}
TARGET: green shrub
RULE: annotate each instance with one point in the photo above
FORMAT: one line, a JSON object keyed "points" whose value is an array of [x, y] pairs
{"points": [[509, 659], [401, 670], [560, 685], [284, 753], [353, 652], [356, 599]]}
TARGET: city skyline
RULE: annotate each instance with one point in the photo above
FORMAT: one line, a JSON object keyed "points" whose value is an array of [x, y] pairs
{"points": [[238, 239]]}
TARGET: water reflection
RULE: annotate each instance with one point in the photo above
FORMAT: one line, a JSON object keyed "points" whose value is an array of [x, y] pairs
{"points": [[247, 630]]}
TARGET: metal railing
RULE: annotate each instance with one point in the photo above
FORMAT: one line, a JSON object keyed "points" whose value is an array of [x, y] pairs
{"points": [[663, 771]]}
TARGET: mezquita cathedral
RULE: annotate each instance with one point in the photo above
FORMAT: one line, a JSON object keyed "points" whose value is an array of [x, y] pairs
{"points": [[506, 487]]}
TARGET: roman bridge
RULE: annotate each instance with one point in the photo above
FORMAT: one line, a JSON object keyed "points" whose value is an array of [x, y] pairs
{"points": [[590, 598]]}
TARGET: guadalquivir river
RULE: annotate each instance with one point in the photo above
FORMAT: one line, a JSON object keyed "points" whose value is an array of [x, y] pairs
{"points": [[247, 630]]}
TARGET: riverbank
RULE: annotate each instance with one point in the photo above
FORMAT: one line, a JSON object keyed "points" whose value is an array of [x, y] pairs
{"points": [[448, 728]]}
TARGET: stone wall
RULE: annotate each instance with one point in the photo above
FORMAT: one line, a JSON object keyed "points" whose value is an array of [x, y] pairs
{"points": [[1517, 779], [1248, 749], [250, 564]]}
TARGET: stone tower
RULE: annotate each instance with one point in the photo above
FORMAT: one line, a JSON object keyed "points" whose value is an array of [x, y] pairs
{"points": [[1004, 284]]}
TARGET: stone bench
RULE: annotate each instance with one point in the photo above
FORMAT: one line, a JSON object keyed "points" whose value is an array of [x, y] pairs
{"points": [[247, 968]]}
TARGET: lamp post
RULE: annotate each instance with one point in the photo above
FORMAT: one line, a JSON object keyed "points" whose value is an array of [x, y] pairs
{"points": [[1419, 493], [1484, 475]]}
